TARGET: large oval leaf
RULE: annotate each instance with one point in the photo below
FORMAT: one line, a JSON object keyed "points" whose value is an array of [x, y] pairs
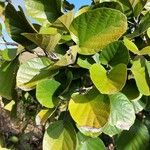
{"points": [[93, 109], [92, 36], [122, 112], [108, 83], [32, 71], [114, 54], [136, 138], [45, 91], [59, 136]]}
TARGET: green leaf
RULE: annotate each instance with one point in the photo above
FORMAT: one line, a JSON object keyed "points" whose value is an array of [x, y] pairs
{"points": [[45, 92], [139, 71], [84, 62], [122, 113], [93, 109], [67, 59], [145, 51], [131, 90], [136, 138], [133, 48], [9, 54], [114, 54], [32, 71], [130, 46], [87, 33], [148, 32], [59, 136], [64, 21], [16, 23], [108, 83], [8, 72], [86, 143], [44, 11], [142, 27], [45, 41]]}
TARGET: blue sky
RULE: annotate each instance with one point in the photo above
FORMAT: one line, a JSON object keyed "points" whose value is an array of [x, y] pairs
{"points": [[77, 3]]}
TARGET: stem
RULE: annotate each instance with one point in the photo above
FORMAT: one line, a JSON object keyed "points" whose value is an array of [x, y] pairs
{"points": [[9, 43]]}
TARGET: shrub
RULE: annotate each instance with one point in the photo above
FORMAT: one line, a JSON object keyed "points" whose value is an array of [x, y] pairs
{"points": [[86, 75]]}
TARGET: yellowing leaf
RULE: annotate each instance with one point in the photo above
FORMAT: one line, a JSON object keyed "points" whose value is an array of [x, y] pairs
{"points": [[108, 83], [92, 30], [90, 110]]}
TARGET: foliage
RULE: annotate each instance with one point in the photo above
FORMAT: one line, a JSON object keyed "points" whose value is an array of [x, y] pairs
{"points": [[88, 73]]}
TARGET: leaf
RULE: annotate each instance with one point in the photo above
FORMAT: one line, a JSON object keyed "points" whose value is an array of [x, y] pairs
{"points": [[9, 54], [133, 48], [43, 115], [145, 51], [139, 71], [45, 41], [89, 143], [87, 33], [148, 32], [16, 23], [84, 62], [93, 109], [44, 11], [142, 27], [8, 72], [69, 58], [138, 105], [131, 90], [59, 136], [108, 83], [122, 112], [32, 71], [114, 54], [9, 106], [136, 138], [64, 21], [130, 46], [45, 92], [111, 130]]}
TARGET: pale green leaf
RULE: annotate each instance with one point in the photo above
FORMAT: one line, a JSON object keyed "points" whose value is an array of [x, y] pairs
{"points": [[108, 82], [45, 92], [122, 112], [32, 71], [87, 33], [44, 11]]}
